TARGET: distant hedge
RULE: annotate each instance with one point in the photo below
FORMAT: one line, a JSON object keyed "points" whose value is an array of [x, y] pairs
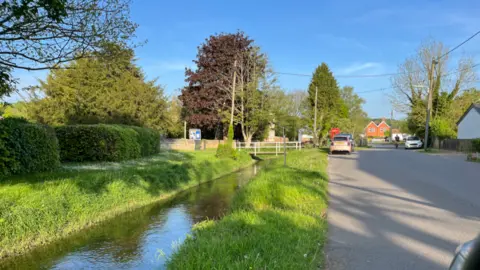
{"points": [[26, 147], [105, 142], [476, 145]]}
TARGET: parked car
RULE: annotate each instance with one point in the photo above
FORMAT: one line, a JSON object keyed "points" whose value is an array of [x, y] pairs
{"points": [[413, 142], [341, 143], [350, 137]]}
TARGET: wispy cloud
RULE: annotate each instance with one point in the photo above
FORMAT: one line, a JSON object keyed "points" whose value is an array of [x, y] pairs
{"points": [[356, 67], [420, 17], [341, 40]]}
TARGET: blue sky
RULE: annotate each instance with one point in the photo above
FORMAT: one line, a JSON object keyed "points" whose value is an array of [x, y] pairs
{"points": [[352, 37]]}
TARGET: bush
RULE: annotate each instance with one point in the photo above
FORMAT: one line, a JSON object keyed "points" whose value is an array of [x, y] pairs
{"points": [[226, 150], [26, 147], [106, 142], [148, 139], [476, 145]]}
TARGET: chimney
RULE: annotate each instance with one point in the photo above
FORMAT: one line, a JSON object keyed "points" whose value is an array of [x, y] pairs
{"points": [[384, 119]]}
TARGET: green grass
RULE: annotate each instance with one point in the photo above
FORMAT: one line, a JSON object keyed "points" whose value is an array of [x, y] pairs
{"points": [[39, 208], [276, 222]]}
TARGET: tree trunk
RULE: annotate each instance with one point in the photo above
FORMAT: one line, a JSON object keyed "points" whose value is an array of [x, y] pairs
{"points": [[248, 139]]}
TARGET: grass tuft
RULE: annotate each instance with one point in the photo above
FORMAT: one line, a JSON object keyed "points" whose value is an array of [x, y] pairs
{"points": [[276, 222]]}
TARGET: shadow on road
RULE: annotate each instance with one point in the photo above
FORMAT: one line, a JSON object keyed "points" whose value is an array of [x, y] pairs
{"points": [[395, 209]]}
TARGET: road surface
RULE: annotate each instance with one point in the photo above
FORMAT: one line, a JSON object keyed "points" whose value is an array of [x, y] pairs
{"points": [[400, 209]]}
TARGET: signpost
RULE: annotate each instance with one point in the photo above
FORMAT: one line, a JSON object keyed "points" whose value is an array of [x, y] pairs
{"points": [[195, 134]]}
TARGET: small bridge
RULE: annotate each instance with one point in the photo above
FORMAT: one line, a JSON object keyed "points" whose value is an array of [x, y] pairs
{"points": [[267, 148]]}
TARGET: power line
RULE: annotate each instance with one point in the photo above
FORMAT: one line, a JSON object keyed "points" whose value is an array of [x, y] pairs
{"points": [[458, 46], [341, 76]]}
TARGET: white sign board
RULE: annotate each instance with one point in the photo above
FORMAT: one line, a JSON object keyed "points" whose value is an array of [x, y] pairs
{"points": [[195, 134]]}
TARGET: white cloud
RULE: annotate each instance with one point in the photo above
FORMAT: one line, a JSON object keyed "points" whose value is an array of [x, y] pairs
{"points": [[356, 67], [342, 41]]}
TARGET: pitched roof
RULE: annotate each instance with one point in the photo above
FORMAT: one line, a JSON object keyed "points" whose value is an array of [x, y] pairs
{"points": [[377, 125], [475, 106]]}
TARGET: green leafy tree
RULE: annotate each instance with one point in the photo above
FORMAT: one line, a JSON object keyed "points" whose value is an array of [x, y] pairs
{"points": [[356, 115], [255, 85], [106, 87], [18, 110], [412, 84], [175, 126], [40, 34], [329, 103], [442, 128]]}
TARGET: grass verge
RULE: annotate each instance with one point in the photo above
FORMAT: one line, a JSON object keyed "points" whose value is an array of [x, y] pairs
{"points": [[39, 208], [276, 222], [430, 151]]}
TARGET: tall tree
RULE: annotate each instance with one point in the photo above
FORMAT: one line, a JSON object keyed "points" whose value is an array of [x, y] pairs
{"points": [[357, 117], [254, 85], [208, 96], [412, 84], [106, 87], [40, 34], [290, 111], [328, 104]]}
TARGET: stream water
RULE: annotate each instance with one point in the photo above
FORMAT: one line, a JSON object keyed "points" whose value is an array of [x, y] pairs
{"points": [[143, 238]]}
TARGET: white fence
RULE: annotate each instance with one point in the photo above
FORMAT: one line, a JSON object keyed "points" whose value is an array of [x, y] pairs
{"points": [[262, 148]]}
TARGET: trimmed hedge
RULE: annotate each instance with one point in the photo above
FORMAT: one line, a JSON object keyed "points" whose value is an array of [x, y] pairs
{"points": [[476, 145], [148, 139], [26, 147], [105, 142]]}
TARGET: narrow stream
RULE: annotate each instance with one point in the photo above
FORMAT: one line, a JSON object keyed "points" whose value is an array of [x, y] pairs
{"points": [[141, 239]]}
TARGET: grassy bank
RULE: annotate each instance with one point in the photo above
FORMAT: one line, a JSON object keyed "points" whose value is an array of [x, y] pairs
{"points": [[39, 208], [276, 222]]}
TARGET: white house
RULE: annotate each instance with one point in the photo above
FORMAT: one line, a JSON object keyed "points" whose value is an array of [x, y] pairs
{"points": [[469, 123]]}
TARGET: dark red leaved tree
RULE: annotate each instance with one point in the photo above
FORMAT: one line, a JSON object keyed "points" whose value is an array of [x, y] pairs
{"points": [[207, 97]]}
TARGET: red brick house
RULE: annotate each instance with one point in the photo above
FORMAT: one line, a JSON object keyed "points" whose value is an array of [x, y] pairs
{"points": [[376, 130]]}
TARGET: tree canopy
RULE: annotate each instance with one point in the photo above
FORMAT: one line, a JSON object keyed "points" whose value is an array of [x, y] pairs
{"points": [[412, 84], [208, 94], [41, 34], [106, 87], [330, 105]]}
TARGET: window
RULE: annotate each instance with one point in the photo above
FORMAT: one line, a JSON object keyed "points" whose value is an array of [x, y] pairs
{"points": [[382, 129], [371, 130]]}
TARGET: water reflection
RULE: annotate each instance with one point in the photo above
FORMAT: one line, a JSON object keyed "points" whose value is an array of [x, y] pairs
{"points": [[142, 239]]}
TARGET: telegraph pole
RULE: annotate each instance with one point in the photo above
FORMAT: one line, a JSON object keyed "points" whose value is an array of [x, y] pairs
{"points": [[233, 90], [315, 118], [185, 130], [391, 125], [429, 102]]}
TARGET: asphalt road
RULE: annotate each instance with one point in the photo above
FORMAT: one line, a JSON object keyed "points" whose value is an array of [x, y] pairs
{"points": [[400, 209]]}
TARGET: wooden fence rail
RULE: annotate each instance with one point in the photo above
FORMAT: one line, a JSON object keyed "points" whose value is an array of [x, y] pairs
{"points": [[459, 145]]}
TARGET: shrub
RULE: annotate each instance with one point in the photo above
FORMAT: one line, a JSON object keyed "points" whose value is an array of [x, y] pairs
{"points": [[148, 139], [476, 145], [106, 142], [226, 150], [97, 143], [26, 147]]}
